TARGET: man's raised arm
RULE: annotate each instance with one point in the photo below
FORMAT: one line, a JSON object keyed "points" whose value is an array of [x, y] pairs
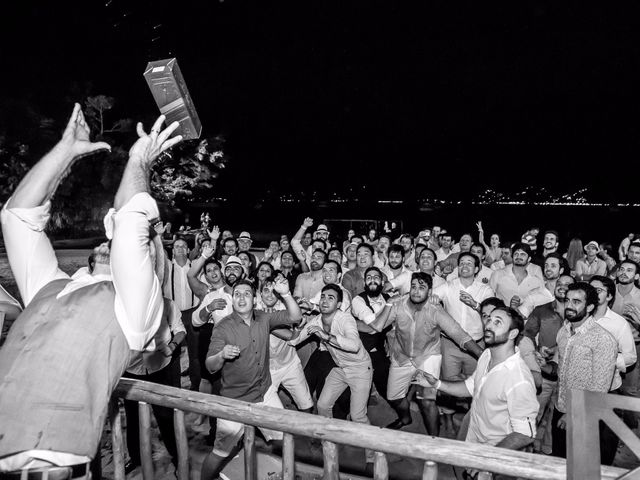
{"points": [[26, 213], [138, 303]]}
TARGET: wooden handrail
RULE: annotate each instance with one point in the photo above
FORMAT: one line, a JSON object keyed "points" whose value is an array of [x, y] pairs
{"points": [[424, 447]]}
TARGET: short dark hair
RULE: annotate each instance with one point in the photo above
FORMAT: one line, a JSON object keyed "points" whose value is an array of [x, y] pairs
{"points": [[521, 246], [495, 302], [290, 252], [591, 296], [476, 260], [517, 322], [336, 249], [246, 282], [484, 249], [335, 288], [229, 239], [375, 269], [338, 266], [367, 246], [396, 248], [422, 277], [564, 264], [609, 284], [319, 250], [631, 262], [209, 261], [552, 232], [429, 249]]}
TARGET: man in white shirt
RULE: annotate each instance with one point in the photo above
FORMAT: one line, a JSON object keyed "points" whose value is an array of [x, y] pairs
{"points": [[461, 299], [338, 331], [590, 265], [485, 272], [39, 430], [504, 408], [520, 284], [620, 329], [395, 267], [176, 287], [445, 247]]}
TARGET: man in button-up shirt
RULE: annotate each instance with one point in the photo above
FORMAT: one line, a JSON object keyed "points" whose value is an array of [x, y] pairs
{"points": [[586, 356], [504, 408], [240, 347], [520, 285], [338, 331], [417, 346]]}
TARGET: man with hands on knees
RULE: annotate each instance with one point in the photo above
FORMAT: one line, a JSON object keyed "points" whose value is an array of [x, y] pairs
{"points": [[239, 348], [504, 407], [51, 418]]}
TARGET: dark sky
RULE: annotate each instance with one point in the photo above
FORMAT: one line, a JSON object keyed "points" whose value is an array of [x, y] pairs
{"points": [[424, 98]]}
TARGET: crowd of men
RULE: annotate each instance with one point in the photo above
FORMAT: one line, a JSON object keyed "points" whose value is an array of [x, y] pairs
{"points": [[498, 332]]}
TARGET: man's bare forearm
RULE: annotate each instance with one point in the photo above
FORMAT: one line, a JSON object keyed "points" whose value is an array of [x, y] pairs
{"points": [[134, 180], [455, 389], [515, 441], [214, 363]]}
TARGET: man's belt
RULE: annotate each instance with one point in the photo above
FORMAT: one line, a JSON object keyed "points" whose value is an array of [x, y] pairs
{"points": [[51, 473]]}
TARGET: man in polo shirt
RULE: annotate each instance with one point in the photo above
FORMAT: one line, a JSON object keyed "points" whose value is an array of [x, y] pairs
{"points": [[353, 280], [504, 408], [240, 348]]}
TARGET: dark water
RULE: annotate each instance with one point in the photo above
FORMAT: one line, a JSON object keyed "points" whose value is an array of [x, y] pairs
{"points": [[603, 224]]}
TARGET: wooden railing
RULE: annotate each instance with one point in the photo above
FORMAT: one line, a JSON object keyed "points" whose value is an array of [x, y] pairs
{"points": [[432, 450]]}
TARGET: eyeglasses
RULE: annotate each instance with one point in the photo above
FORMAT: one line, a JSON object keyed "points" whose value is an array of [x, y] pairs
{"points": [[601, 290]]}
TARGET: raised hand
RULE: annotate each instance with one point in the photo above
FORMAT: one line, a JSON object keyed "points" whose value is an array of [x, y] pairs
{"points": [[208, 251], [281, 285], [307, 222], [479, 225], [75, 139], [214, 233], [148, 147], [468, 300]]}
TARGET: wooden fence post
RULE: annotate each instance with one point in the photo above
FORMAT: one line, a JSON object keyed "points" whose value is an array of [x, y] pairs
{"points": [[144, 411]]}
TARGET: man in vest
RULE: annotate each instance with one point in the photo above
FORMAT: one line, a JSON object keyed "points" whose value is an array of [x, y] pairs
{"points": [[66, 352]]}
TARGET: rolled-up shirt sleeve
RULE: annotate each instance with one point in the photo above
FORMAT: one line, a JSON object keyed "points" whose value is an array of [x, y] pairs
{"points": [[452, 328], [361, 312], [31, 256], [175, 319], [347, 337], [138, 302], [523, 406]]}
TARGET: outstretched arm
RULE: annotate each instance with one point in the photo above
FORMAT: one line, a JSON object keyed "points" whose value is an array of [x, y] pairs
{"points": [[138, 303], [26, 213]]}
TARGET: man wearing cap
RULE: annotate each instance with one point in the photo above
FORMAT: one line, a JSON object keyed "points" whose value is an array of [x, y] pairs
{"points": [[244, 245], [590, 265], [517, 285]]}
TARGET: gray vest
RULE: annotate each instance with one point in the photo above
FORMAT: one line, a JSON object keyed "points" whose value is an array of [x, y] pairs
{"points": [[58, 367]]}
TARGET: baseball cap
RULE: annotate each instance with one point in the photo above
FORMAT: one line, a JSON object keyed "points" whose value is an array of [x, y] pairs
{"points": [[592, 243], [244, 235], [233, 260]]}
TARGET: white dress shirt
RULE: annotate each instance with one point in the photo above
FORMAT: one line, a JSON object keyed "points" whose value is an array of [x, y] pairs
{"points": [[177, 288], [617, 326], [138, 300], [468, 318], [504, 400], [532, 290], [362, 312], [216, 315], [483, 275]]}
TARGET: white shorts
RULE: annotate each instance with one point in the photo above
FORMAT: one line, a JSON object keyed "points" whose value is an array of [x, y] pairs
{"points": [[292, 378], [400, 377], [228, 433]]}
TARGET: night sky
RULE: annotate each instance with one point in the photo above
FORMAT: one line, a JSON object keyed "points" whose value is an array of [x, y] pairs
{"points": [[405, 98]]}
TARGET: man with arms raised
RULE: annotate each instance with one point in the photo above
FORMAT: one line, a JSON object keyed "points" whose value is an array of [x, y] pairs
{"points": [[418, 325], [83, 328], [240, 348]]}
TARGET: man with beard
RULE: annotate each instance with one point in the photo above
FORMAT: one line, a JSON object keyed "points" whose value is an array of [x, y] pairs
{"points": [[418, 324], [406, 241], [353, 280], [504, 406], [382, 249], [288, 268], [520, 284], [620, 329], [338, 332], [461, 299], [308, 284], [239, 347], [627, 304], [586, 356], [396, 269], [331, 273], [450, 264], [550, 244], [426, 264], [554, 266], [590, 265], [366, 307], [542, 328]]}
